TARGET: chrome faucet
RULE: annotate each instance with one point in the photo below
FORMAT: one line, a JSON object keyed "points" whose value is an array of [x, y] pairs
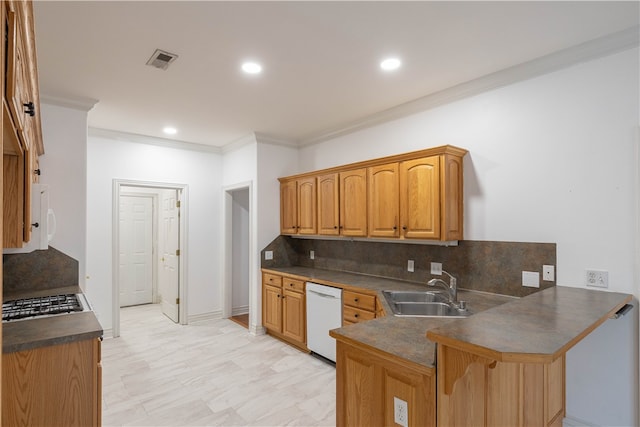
{"points": [[450, 287]]}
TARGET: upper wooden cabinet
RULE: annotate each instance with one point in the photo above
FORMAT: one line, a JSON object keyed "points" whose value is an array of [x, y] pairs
{"points": [[342, 209], [21, 125], [298, 206], [416, 195]]}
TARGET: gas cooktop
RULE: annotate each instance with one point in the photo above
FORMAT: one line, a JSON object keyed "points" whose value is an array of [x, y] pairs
{"points": [[27, 308]]}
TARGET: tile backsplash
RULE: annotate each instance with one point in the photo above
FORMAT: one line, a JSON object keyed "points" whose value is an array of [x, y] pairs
{"points": [[479, 265], [38, 270]]}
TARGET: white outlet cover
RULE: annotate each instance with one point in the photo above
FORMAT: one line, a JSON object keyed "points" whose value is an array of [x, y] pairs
{"points": [[436, 268], [531, 279], [548, 273], [268, 255], [400, 412], [312, 254], [410, 266], [598, 278]]}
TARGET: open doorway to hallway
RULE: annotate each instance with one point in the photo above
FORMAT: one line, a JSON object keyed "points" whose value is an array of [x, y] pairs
{"points": [[237, 201], [148, 241]]}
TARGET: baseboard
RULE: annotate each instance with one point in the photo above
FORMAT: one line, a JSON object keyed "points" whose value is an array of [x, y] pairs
{"points": [[107, 333], [243, 309], [257, 330], [213, 315], [575, 422]]}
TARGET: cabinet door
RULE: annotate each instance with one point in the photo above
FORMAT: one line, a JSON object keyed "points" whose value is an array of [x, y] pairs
{"points": [[328, 205], [272, 307], [383, 200], [13, 206], [288, 207], [293, 316], [307, 199], [353, 202], [420, 198], [452, 195]]}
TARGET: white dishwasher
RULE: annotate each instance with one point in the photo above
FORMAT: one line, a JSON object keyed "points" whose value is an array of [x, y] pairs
{"points": [[324, 312]]}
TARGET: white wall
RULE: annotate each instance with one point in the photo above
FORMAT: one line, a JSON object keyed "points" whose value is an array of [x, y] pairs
{"points": [[551, 159], [109, 159], [63, 168]]}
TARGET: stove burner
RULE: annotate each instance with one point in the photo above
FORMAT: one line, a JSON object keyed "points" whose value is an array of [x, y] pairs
{"points": [[41, 306]]}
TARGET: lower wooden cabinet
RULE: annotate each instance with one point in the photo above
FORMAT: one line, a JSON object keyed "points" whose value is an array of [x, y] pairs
{"points": [[59, 385], [357, 307], [369, 384], [284, 309]]}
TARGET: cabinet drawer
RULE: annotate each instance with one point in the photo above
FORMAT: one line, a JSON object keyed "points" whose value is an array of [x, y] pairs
{"points": [[271, 279], [354, 299], [355, 315], [292, 284]]}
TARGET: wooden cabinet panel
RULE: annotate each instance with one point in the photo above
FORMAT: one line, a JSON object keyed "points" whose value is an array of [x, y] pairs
{"points": [[358, 300], [355, 315], [289, 207], [293, 315], [52, 386], [353, 202], [366, 385], [451, 197], [328, 205], [292, 284], [13, 207], [307, 200], [383, 200], [272, 307], [420, 198]]}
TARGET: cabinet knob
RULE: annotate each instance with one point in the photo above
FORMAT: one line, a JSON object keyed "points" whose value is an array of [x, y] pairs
{"points": [[291, 284], [37, 172], [404, 227], [395, 228], [355, 300], [355, 315], [335, 226]]}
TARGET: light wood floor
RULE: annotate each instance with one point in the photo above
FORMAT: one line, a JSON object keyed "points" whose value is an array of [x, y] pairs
{"points": [[210, 373]]}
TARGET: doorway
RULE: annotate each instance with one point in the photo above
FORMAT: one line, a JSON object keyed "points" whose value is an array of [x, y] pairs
{"points": [[148, 242], [237, 254]]}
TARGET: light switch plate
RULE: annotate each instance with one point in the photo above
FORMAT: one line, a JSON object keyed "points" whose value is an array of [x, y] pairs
{"points": [[531, 279], [268, 255]]}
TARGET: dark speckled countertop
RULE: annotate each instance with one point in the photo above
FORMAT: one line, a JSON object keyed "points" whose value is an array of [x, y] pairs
{"points": [[404, 337], [42, 332], [537, 328]]}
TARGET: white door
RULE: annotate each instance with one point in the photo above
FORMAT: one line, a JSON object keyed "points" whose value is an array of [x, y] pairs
{"points": [[136, 250], [169, 255]]}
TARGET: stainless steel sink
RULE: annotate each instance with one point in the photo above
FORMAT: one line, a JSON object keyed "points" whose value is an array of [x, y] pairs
{"points": [[422, 304]]}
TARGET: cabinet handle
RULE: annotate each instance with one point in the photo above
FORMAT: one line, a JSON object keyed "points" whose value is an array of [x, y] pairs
{"points": [[30, 109], [37, 172]]}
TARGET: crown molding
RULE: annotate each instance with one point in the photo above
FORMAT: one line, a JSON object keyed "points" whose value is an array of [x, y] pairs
{"points": [[590, 50], [79, 103], [268, 139], [151, 140], [236, 144]]}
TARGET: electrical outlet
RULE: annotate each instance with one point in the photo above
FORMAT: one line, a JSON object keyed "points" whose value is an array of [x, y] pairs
{"points": [[531, 279], [400, 412], [268, 255], [598, 278], [410, 266], [548, 273], [436, 268], [312, 254]]}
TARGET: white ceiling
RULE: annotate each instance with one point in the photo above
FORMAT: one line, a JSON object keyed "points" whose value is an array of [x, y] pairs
{"points": [[320, 59]]}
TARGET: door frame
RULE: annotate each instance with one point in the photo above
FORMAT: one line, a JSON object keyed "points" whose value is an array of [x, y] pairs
{"points": [[115, 247], [227, 259]]}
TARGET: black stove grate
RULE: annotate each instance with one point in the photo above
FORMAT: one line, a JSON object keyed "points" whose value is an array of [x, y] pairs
{"points": [[40, 306]]}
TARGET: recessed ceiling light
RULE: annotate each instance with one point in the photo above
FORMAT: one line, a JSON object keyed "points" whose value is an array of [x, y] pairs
{"points": [[252, 68], [390, 64], [170, 130]]}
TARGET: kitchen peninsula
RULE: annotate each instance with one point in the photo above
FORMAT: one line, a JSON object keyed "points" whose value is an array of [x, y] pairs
{"points": [[509, 347]]}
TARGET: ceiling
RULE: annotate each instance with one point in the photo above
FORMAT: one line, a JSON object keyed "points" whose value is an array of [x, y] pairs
{"points": [[320, 59]]}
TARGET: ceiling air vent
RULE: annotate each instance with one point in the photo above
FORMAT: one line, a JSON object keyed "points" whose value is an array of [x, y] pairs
{"points": [[161, 59]]}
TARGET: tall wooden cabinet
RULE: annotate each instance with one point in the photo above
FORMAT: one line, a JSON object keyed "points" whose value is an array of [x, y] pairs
{"points": [[414, 195], [22, 132]]}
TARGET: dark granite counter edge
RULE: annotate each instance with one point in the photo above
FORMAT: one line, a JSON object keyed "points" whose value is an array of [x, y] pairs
{"points": [[48, 331]]}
